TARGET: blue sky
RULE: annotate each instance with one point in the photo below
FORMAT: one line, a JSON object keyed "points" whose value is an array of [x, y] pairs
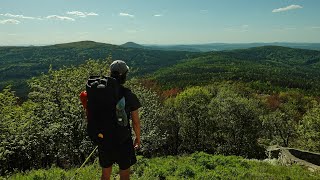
{"points": [[24, 22]]}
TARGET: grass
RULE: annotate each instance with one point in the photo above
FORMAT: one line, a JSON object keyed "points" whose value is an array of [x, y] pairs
{"points": [[195, 166]]}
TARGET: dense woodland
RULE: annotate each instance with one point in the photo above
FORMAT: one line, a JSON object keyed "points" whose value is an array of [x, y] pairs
{"points": [[18, 64], [229, 103], [264, 68]]}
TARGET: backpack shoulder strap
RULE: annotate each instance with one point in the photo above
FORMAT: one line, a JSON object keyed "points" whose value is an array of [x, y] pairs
{"points": [[123, 92]]}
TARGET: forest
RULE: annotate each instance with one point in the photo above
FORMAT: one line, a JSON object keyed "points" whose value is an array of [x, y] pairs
{"points": [[18, 64], [230, 103], [265, 68]]}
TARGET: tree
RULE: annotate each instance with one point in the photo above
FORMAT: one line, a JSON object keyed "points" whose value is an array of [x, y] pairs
{"points": [[15, 139], [172, 126], [237, 123], [153, 135], [309, 129], [60, 114], [196, 129], [282, 124], [49, 127]]}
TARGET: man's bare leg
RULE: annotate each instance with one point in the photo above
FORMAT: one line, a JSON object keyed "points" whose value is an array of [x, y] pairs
{"points": [[125, 174], [106, 173]]}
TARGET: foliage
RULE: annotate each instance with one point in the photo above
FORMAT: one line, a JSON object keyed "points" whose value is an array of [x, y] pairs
{"points": [[195, 125], [17, 64], [309, 129], [195, 166], [282, 124], [15, 120], [284, 113], [153, 136], [50, 127], [264, 68], [172, 126], [237, 122], [223, 117], [214, 119]]}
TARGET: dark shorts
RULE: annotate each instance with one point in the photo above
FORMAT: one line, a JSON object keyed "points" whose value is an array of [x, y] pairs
{"points": [[123, 155]]}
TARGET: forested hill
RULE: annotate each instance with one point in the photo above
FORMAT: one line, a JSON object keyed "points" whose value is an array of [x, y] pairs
{"points": [[261, 66], [17, 64], [221, 46], [49, 127], [280, 66], [132, 45]]}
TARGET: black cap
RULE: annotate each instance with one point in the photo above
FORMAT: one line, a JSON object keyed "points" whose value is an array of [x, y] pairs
{"points": [[119, 66]]}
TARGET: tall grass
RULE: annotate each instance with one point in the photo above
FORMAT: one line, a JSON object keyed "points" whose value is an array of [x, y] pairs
{"points": [[195, 166]]}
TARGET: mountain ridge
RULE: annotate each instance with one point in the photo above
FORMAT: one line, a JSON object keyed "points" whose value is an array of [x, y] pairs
{"points": [[17, 64], [274, 65], [207, 47], [200, 47], [21, 63], [132, 45]]}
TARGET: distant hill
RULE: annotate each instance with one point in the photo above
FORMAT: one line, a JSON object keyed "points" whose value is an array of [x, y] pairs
{"points": [[270, 65], [162, 48], [190, 48], [230, 46], [219, 46], [132, 45], [17, 64]]}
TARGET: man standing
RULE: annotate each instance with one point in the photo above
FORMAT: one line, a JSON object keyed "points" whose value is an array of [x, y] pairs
{"points": [[123, 153]]}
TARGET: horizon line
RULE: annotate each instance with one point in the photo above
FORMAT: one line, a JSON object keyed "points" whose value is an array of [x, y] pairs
{"points": [[159, 44]]}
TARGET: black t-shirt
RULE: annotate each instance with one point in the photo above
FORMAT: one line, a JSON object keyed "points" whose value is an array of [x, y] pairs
{"points": [[123, 154], [132, 102]]}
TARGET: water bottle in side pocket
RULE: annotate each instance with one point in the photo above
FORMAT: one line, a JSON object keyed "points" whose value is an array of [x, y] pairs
{"points": [[121, 113]]}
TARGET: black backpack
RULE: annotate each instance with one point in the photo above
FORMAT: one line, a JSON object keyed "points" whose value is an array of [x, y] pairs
{"points": [[103, 94]]}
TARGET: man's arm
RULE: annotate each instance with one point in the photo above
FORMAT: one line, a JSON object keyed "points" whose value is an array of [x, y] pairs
{"points": [[136, 128]]}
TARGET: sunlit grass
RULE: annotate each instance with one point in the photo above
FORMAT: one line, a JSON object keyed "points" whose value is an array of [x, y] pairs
{"points": [[196, 166]]}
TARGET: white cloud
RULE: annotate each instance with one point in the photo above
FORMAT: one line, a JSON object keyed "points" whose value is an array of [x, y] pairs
{"points": [[157, 15], [9, 21], [315, 27], [110, 28], [82, 14], [126, 14], [19, 16], [92, 14], [63, 18], [288, 8], [76, 13]]}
